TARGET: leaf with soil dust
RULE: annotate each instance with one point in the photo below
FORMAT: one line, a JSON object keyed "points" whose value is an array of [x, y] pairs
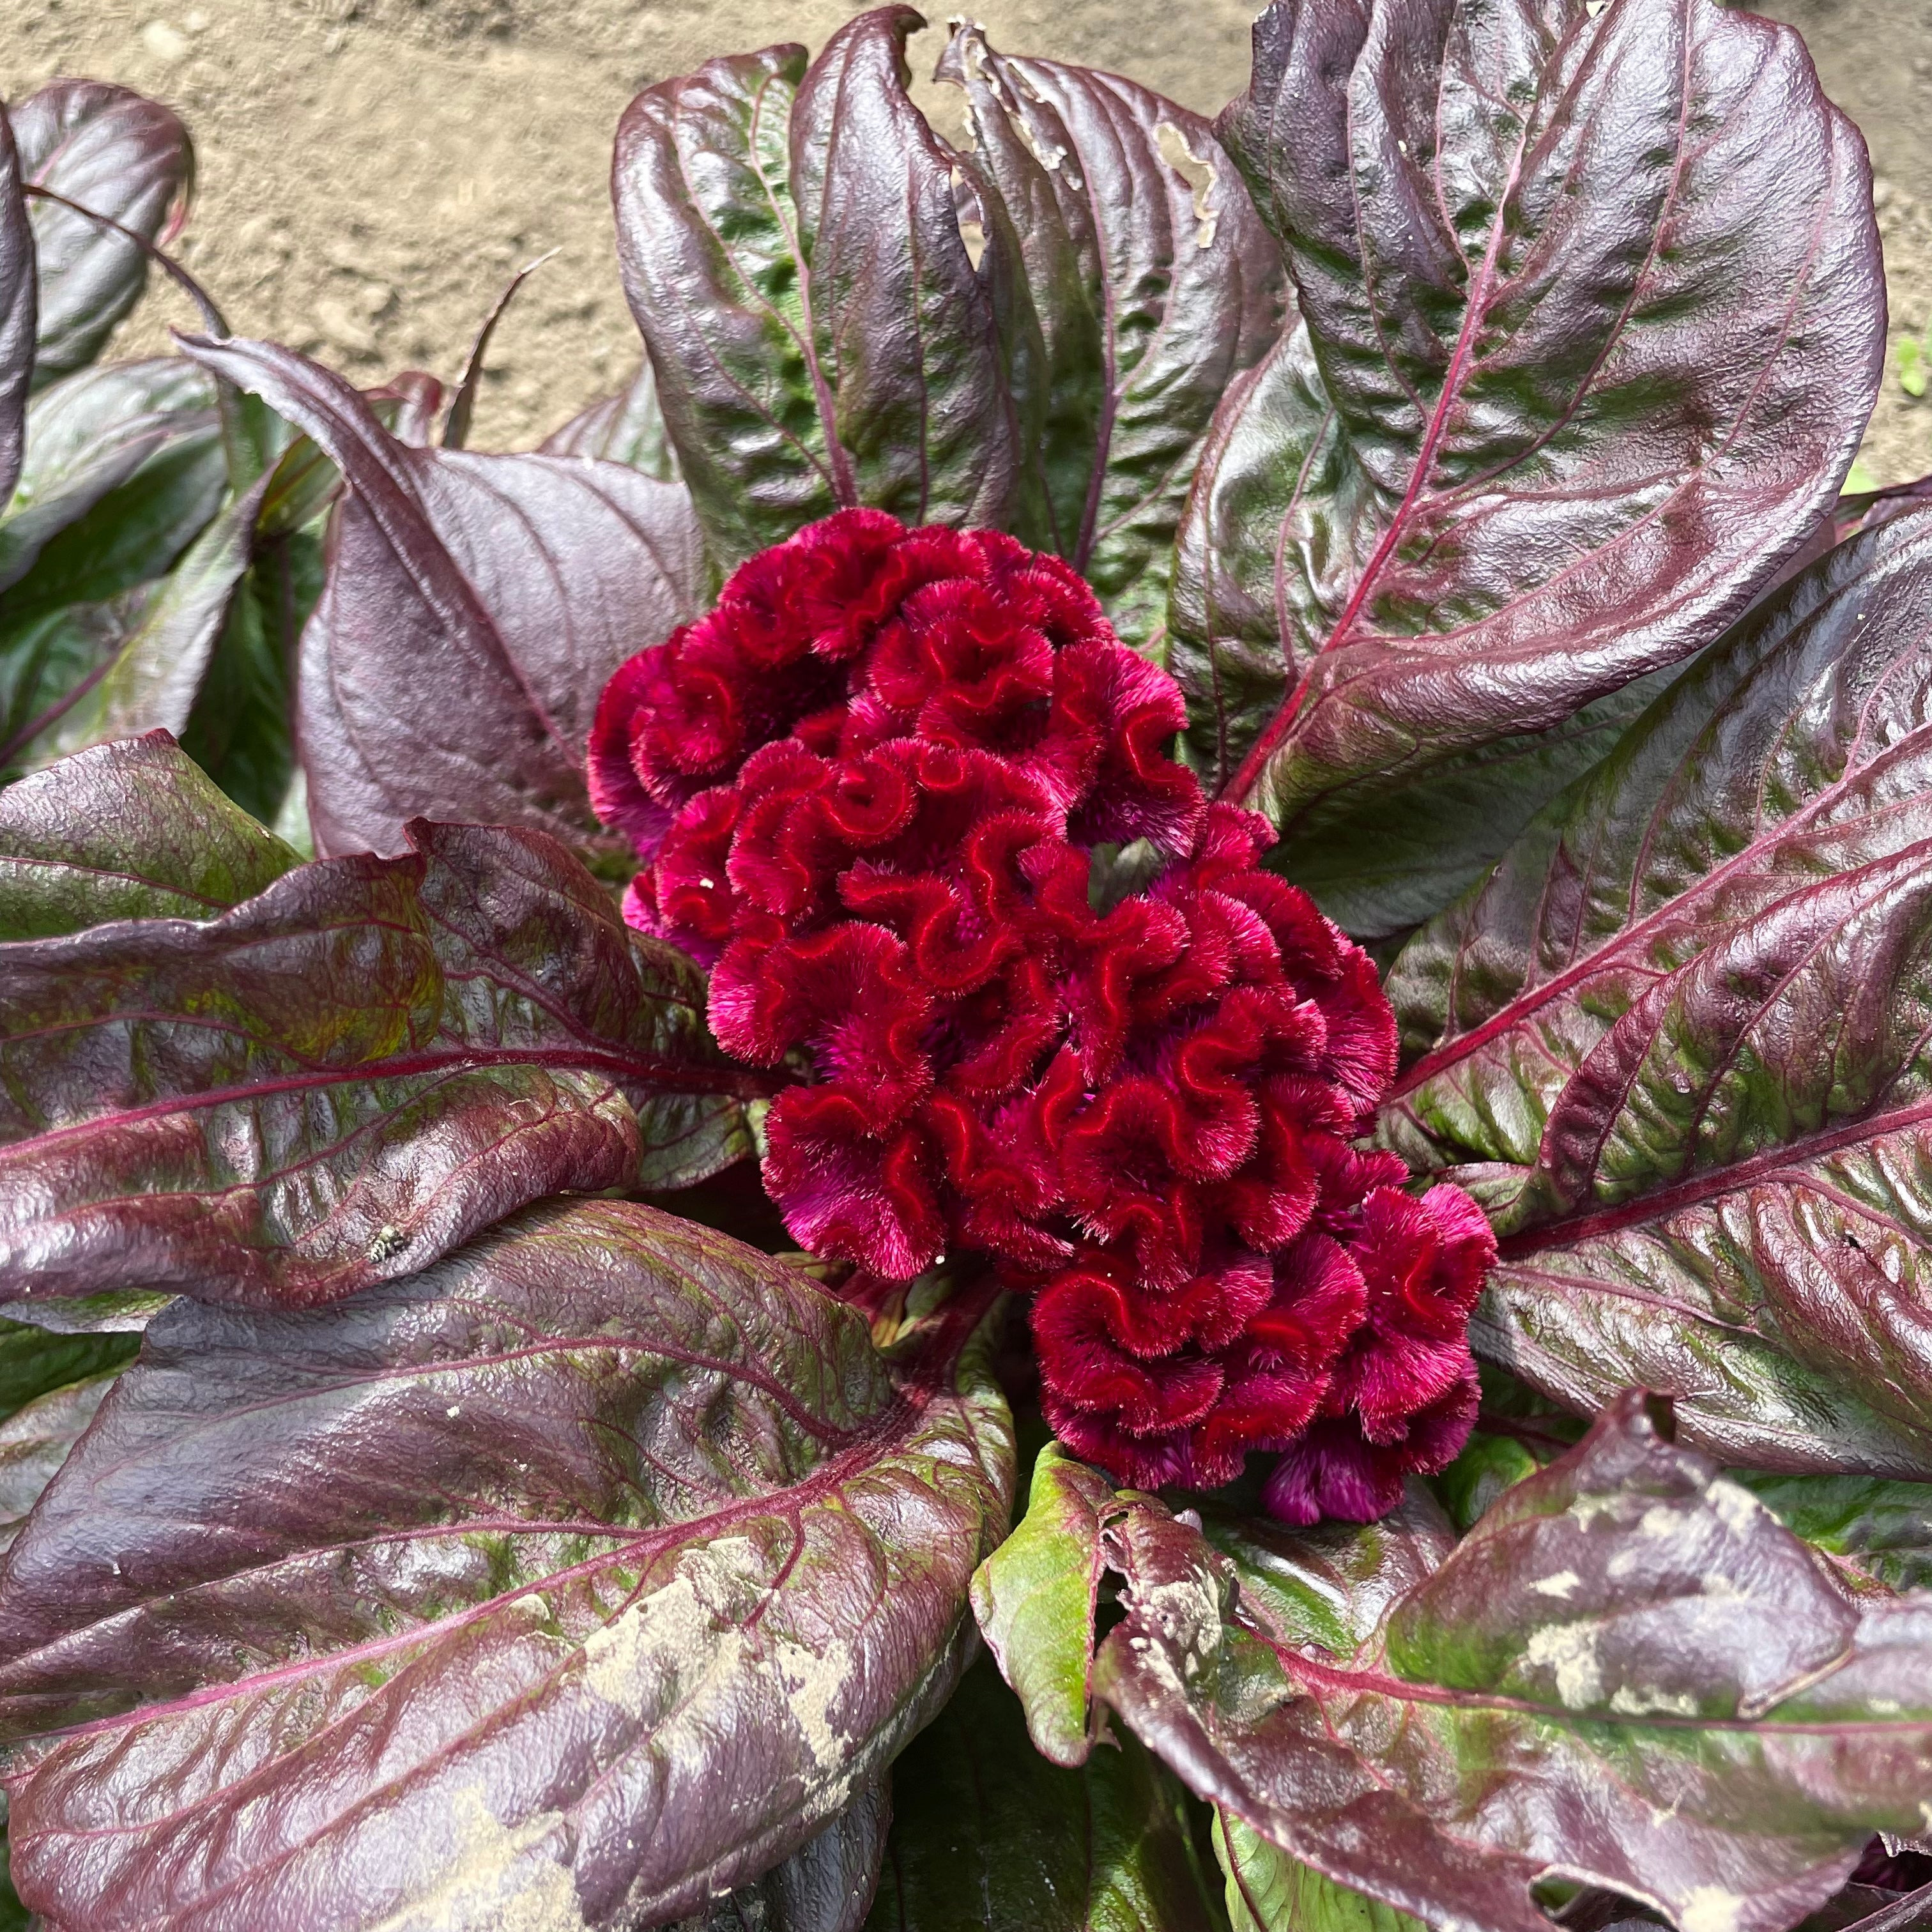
{"points": [[583, 1577], [1676, 1042], [1155, 284], [475, 607], [1629, 1673], [118, 154], [1591, 322], [792, 245], [341, 1078]]}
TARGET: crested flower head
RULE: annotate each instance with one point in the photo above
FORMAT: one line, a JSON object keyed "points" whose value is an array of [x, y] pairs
{"points": [[883, 790]]}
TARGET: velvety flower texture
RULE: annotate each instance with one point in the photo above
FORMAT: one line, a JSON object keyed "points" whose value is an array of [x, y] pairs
{"points": [[880, 790]]}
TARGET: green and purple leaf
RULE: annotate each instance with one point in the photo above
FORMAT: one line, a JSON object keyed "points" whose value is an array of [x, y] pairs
{"points": [[576, 1582], [475, 607], [338, 1079], [119, 154], [1591, 325], [1155, 284], [1676, 1042], [1628, 1675], [626, 427], [792, 247]]}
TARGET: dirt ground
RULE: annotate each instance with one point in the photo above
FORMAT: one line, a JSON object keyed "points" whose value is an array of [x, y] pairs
{"points": [[371, 171]]}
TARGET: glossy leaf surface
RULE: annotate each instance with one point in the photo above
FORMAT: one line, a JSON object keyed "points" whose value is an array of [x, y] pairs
{"points": [[1591, 330], [475, 607], [1676, 1041], [627, 428], [1155, 284], [345, 1075], [791, 240], [1035, 1600], [1629, 1674], [1269, 1891], [827, 1886], [120, 155], [18, 311], [987, 1836], [571, 1583], [111, 454], [137, 663], [126, 832]]}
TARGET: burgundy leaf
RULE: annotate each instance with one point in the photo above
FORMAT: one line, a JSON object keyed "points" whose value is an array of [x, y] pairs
{"points": [[827, 1886], [1629, 1675], [575, 1582], [1591, 325], [116, 153], [1677, 1042], [627, 428], [19, 310], [475, 606], [342, 1077], [1155, 284], [792, 245]]}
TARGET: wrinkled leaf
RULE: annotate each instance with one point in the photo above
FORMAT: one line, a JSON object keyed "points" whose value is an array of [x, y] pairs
{"points": [[1591, 325], [1380, 868], [137, 664], [572, 1583], [123, 443], [1269, 1891], [1629, 1675], [120, 155], [125, 832], [475, 607], [1877, 1529], [827, 1886], [344, 1076], [1155, 284], [1035, 1597], [18, 312], [1676, 1042], [987, 1836], [36, 1441], [628, 428], [822, 335]]}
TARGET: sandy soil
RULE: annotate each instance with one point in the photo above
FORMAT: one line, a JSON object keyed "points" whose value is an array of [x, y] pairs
{"points": [[372, 170]]}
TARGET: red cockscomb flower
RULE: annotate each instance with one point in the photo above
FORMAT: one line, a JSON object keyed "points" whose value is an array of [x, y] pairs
{"points": [[869, 787]]}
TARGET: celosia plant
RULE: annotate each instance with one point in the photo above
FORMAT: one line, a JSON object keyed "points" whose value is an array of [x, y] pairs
{"points": [[1231, 802]]}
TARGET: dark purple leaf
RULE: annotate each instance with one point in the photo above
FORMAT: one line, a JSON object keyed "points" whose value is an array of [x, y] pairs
{"points": [[988, 1836], [121, 155], [827, 1886], [792, 245], [1676, 1042], [1592, 323], [1629, 1675], [628, 428], [475, 607], [574, 1583], [19, 309], [1155, 284], [344, 1076]]}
